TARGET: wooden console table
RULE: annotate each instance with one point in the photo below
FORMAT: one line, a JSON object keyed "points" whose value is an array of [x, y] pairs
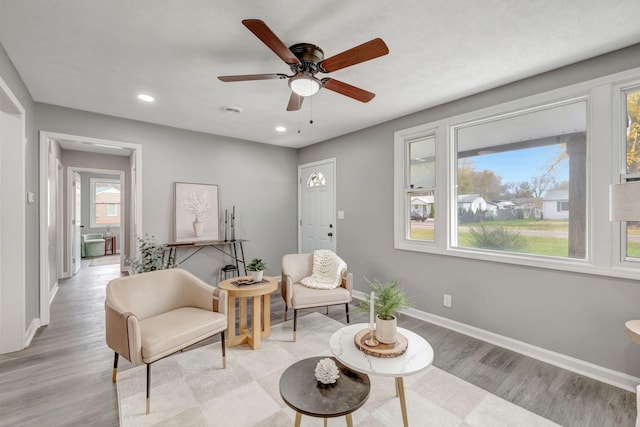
{"points": [[231, 248]]}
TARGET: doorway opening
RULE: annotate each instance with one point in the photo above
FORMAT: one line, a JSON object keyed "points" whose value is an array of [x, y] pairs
{"points": [[87, 156]]}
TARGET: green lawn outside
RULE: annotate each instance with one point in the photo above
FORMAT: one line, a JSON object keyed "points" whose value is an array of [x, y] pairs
{"points": [[525, 224], [633, 249], [546, 246]]}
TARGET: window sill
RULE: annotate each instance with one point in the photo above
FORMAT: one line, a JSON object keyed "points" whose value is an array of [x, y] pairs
{"points": [[623, 270]]}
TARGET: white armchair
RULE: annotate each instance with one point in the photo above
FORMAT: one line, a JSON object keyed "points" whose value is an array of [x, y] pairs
{"points": [[152, 315], [296, 267]]}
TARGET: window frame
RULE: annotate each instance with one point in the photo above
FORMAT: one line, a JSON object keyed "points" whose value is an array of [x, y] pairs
{"points": [[92, 205], [604, 111], [621, 174]]}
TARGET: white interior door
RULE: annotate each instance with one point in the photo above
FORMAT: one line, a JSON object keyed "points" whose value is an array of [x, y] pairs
{"points": [[317, 206], [76, 223]]}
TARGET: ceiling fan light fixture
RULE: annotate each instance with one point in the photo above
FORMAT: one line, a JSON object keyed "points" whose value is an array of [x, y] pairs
{"points": [[305, 85]]}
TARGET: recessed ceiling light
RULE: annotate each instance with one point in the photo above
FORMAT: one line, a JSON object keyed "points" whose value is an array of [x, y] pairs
{"points": [[145, 98], [280, 129]]}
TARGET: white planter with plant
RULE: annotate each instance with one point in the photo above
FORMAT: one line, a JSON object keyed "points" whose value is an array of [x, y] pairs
{"points": [[256, 269], [389, 300]]}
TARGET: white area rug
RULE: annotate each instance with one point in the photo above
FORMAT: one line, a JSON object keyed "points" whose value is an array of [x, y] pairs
{"points": [[192, 389], [104, 260]]}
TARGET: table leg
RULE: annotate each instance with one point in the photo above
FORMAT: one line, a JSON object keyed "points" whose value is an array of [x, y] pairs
{"points": [[266, 315], [256, 329], [298, 419], [242, 314], [403, 402], [231, 318], [349, 420]]}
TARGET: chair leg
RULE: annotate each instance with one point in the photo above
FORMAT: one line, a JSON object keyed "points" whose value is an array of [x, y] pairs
{"points": [[326, 310], [346, 307], [115, 367], [295, 323], [224, 354], [148, 387], [285, 312]]}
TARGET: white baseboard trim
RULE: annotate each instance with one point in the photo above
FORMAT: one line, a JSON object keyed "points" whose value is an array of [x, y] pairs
{"points": [[600, 373], [31, 331], [53, 292]]}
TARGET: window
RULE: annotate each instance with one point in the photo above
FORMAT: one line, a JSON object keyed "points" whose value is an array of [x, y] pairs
{"points": [[525, 182], [105, 202], [420, 188], [535, 161], [316, 179], [631, 236]]}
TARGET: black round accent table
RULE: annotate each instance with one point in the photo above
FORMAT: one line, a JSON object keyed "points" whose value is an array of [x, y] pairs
{"points": [[305, 395]]}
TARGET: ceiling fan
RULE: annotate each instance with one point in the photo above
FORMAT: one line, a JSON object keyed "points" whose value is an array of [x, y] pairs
{"points": [[306, 60]]}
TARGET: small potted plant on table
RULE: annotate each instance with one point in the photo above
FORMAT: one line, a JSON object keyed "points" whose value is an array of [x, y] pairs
{"points": [[256, 269], [389, 300]]}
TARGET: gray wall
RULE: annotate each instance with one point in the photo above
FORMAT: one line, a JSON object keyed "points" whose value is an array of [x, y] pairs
{"points": [[32, 291], [259, 179], [574, 314]]}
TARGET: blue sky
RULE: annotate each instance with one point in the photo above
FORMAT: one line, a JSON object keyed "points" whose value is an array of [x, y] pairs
{"points": [[522, 165]]}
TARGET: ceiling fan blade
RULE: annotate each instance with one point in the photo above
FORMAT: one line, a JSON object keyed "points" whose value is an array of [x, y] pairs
{"points": [[272, 41], [246, 77], [295, 102], [347, 90], [366, 51]]}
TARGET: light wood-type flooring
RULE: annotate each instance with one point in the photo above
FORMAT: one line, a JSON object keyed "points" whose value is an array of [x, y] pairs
{"points": [[64, 377]]}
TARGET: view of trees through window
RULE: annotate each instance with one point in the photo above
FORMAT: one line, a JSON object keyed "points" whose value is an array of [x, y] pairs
{"points": [[521, 183], [633, 165]]}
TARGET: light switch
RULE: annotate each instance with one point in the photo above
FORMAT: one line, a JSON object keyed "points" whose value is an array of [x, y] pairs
{"points": [[340, 214], [31, 197]]}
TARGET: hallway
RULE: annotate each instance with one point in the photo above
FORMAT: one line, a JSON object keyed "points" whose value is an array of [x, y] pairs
{"points": [[64, 377]]}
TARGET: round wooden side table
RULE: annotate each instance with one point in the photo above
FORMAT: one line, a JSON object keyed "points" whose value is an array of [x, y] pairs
{"points": [[260, 309]]}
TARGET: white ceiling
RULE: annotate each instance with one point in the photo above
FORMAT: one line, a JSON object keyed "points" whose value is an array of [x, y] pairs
{"points": [[96, 55]]}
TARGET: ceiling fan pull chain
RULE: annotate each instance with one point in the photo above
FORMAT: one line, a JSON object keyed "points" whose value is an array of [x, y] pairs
{"points": [[311, 111]]}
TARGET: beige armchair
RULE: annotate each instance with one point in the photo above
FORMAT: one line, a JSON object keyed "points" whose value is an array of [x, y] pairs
{"points": [[152, 315], [296, 267]]}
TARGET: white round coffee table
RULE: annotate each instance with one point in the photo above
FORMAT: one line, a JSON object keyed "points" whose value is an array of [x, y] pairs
{"points": [[419, 356]]}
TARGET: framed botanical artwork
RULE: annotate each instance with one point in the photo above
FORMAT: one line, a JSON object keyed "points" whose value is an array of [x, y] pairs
{"points": [[196, 212]]}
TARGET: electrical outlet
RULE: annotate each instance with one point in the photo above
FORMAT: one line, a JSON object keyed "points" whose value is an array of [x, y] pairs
{"points": [[447, 301]]}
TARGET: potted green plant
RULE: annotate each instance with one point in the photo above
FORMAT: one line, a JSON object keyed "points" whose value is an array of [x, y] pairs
{"points": [[388, 301], [151, 256], [256, 268]]}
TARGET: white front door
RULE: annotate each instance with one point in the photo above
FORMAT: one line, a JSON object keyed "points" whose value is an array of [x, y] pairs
{"points": [[316, 206], [76, 223]]}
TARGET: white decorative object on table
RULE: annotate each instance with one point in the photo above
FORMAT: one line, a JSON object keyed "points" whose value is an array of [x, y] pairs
{"points": [[327, 371]]}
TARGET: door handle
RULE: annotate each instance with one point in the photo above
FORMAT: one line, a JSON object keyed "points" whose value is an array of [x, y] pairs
{"points": [[330, 234]]}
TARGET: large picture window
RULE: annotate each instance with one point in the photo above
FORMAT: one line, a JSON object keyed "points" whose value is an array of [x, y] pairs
{"points": [[521, 182], [105, 202]]}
